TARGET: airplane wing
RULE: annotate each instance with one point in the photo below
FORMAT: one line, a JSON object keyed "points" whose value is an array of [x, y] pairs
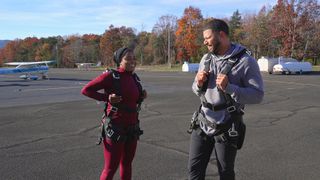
{"points": [[7, 71], [23, 70], [28, 63]]}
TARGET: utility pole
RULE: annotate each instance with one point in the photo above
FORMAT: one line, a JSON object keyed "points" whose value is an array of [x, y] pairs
{"points": [[169, 53], [141, 52], [305, 48], [57, 55]]}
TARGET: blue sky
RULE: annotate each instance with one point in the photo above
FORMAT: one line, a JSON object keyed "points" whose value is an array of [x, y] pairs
{"points": [[44, 18]]}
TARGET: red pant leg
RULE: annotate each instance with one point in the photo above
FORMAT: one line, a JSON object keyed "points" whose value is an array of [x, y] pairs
{"points": [[112, 155], [126, 159]]}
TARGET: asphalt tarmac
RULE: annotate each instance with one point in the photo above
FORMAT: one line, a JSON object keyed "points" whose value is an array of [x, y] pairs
{"points": [[48, 129]]}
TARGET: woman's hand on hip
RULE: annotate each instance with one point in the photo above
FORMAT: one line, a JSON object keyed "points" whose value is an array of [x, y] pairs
{"points": [[113, 98]]}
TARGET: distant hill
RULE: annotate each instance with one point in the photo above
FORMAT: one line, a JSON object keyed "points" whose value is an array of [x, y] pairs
{"points": [[3, 43]]}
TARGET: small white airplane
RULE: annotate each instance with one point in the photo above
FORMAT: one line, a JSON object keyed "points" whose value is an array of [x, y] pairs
{"points": [[87, 66], [27, 69]]}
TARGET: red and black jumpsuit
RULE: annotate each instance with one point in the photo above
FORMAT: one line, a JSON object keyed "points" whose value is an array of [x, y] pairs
{"points": [[117, 152]]}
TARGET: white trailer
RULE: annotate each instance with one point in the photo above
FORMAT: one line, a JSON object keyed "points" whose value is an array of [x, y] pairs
{"points": [[292, 67], [266, 64], [190, 67]]}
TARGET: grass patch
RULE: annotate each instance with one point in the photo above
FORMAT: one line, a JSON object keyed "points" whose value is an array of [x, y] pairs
{"points": [[316, 68], [164, 68], [154, 68]]}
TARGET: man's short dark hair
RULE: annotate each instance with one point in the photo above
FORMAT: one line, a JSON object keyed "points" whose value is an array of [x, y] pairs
{"points": [[216, 25]]}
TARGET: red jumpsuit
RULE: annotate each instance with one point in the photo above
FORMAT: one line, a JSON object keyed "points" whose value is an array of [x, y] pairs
{"points": [[117, 152]]}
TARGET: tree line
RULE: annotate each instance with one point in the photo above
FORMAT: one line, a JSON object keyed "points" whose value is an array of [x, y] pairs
{"points": [[289, 28]]}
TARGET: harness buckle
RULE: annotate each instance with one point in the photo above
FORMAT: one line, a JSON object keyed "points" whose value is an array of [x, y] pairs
{"points": [[114, 109], [116, 75], [231, 109], [110, 132], [233, 133]]}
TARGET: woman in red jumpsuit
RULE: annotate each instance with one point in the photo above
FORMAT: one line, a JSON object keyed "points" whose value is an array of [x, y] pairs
{"points": [[118, 152]]}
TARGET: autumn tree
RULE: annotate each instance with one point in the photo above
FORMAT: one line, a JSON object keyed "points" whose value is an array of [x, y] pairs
{"points": [[284, 23], [257, 35], [113, 39], [26, 49], [141, 51], [164, 30], [71, 51], [308, 12], [90, 48], [150, 56], [9, 51], [47, 48], [314, 50], [294, 23], [43, 52], [2, 57], [187, 34]]}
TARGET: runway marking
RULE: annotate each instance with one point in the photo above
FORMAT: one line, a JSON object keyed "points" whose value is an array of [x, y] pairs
{"points": [[54, 88], [293, 83]]}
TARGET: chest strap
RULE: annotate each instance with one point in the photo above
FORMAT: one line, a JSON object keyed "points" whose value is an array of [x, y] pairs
{"points": [[230, 104]]}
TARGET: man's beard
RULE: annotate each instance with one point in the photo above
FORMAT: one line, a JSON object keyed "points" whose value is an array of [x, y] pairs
{"points": [[216, 47]]}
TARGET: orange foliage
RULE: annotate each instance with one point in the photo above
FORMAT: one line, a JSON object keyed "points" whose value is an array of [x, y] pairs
{"points": [[187, 33]]}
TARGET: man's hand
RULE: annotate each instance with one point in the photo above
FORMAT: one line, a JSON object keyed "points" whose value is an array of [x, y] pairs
{"points": [[202, 77], [113, 98], [222, 81]]}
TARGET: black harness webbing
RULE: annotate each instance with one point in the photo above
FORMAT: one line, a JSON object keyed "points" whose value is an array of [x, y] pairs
{"points": [[229, 105], [117, 90], [107, 127]]}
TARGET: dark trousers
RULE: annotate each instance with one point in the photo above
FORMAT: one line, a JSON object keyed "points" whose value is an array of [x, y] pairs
{"points": [[199, 156]]}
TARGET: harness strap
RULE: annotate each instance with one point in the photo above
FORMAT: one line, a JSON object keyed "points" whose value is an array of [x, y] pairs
{"points": [[138, 83], [223, 136], [107, 128], [125, 108], [229, 105], [207, 63]]}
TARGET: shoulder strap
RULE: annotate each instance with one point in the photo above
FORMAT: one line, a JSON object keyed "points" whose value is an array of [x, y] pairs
{"points": [[116, 84], [138, 83], [116, 81], [233, 61], [206, 64], [228, 66]]}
